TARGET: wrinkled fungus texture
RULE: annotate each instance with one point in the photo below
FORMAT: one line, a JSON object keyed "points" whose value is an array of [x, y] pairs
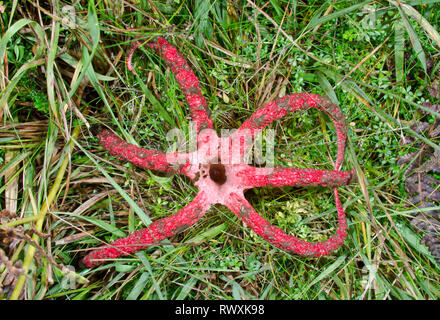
{"points": [[222, 177]]}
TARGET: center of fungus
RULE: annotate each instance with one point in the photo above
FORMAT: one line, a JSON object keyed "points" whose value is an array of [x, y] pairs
{"points": [[217, 173]]}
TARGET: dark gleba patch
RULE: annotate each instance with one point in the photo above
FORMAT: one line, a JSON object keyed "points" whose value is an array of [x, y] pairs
{"points": [[198, 210], [332, 180], [145, 154], [286, 245], [268, 232], [244, 211], [284, 103], [259, 121], [333, 110], [160, 225], [182, 228], [204, 125], [191, 91]]}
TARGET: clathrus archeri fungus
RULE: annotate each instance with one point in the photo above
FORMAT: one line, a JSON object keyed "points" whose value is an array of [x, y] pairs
{"points": [[219, 179]]}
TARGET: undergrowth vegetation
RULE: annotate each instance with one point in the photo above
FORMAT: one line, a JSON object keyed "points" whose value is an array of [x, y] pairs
{"points": [[64, 75]]}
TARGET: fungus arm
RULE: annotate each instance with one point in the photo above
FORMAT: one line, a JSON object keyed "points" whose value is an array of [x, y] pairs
{"points": [[185, 77], [156, 232], [275, 236], [149, 159], [253, 177], [277, 109]]}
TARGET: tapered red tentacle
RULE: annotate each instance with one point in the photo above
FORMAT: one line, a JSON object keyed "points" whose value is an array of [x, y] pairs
{"points": [[279, 108], [156, 232], [243, 209], [185, 77], [150, 159], [252, 177], [134, 45]]}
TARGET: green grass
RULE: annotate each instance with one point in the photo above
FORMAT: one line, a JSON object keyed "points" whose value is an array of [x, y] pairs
{"points": [[374, 59]]}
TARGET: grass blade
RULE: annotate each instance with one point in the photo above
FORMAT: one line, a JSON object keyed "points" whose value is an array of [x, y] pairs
{"points": [[334, 15], [399, 50], [34, 62], [415, 42], [186, 289], [327, 272], [13, 162], [141, 214], [99, 223], [139, 286], [147, 265], [413, 13]]}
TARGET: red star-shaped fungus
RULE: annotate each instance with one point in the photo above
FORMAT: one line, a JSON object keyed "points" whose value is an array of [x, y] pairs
{"points": [[218, 170]]}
